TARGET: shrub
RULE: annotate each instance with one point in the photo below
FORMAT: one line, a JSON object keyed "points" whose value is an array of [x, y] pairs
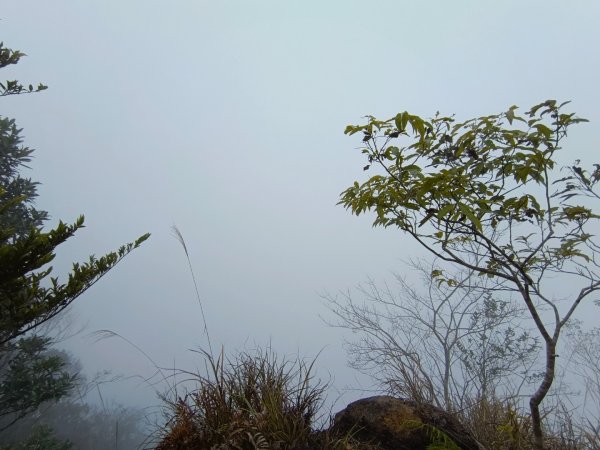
{"points": [[251, 402]]}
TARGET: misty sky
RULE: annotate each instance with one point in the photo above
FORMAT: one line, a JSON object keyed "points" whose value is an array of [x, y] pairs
{"points": [[226, 118]]}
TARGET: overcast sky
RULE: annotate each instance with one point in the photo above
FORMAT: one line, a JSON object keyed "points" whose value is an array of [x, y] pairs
{"points": [[226, 118]]}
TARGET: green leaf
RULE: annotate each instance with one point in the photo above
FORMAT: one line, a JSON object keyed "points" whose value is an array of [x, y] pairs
{"points": [[413, 168], [444, 210], [436, 273], [351, 129], [510, 114], [470, 215], [547, 132], [401, 120]]}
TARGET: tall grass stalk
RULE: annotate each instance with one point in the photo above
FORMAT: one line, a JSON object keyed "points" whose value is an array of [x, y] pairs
{"points": [[181, 240]]}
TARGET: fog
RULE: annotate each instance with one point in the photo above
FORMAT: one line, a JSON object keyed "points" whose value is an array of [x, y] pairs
{"points": [[226, 119]]}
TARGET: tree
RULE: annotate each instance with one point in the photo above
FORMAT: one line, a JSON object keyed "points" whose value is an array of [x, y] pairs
{"points": [[447, 345], [26, 250], [25, 303], [29, 296], [29, 376], [76, 419], [485, 194], [13, 156]]}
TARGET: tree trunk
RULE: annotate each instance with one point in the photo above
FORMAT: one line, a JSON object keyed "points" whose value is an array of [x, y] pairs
{"points": [[536, 399]]}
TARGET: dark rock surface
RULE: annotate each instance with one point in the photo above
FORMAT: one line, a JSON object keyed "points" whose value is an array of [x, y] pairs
{"points": [[391, 423]]}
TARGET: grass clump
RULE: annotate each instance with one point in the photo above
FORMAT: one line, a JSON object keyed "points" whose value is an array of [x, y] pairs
{"points": [[255, 401], [500, 424]]}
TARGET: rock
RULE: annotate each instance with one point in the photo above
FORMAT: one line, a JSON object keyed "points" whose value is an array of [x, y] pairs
{"points": [[390, 423]]}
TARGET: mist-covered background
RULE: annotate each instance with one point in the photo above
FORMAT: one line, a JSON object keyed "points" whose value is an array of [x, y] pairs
{"points": [[226, 119]]}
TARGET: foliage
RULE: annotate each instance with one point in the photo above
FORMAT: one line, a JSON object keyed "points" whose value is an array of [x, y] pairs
{"points": [[28, 295], [31, 376], [41, 438], [23, 215], [13, 87], [486, 194], [439, 439], [29, 373], [251, 402], [497, 425], [24, 302], [75, 417]]}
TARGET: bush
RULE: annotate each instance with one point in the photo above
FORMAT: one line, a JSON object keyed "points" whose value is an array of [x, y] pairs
{"points": [[253, 401], [41, 438]]}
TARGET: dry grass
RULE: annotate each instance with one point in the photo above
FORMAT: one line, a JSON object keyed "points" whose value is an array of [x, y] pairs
{"points": [[251, 402], [501, 425]]}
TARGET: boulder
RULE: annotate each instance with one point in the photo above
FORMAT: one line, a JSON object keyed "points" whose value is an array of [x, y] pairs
{"points": [[389, 423]]}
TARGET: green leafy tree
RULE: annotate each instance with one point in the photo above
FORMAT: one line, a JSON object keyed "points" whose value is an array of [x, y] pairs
{"points": [[29, 373], [26, 249], [29, 295], [77, 419], [486, 194], [29, 376], [25, 303], [23, 216]]}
